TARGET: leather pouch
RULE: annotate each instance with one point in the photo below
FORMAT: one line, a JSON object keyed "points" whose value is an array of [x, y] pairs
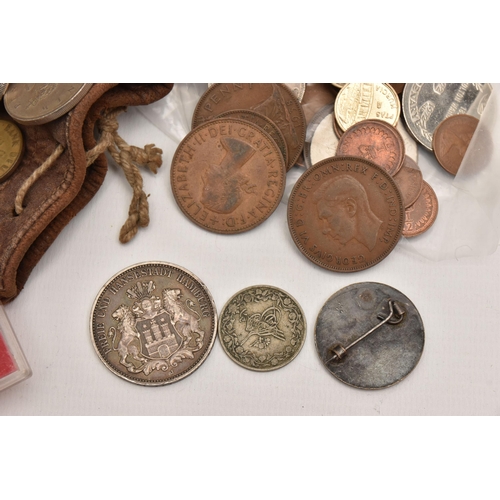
{"points": [[64, 189]]}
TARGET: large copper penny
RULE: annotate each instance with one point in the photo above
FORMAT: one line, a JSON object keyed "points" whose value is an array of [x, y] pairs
{"points": [[39, 103], [363, 101], [274, 100], [376, 141], [345, 214], [228, 176], [451, 140], [153, 323], [421, 215], [264, 123], [11, 148], [410, 181]]}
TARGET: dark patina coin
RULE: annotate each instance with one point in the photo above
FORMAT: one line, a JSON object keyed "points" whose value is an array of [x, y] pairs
{"points": [[345, 214], [369, 335]]}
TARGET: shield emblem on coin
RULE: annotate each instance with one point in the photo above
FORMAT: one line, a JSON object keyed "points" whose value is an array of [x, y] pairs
{"points": [[158, 336]]}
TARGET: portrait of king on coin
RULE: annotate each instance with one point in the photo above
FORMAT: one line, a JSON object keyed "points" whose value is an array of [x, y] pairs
{"points": [[345, 214]]}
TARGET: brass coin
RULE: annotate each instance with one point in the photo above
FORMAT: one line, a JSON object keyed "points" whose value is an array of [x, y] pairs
{"points": [[264, 123], [376, 141], [345, 214], [39, 103], [11, 148], [451, 140], [422, 214], [362, 101], [274, 100], [262, 328], [228, 176], [410, 181], [153, 323]]}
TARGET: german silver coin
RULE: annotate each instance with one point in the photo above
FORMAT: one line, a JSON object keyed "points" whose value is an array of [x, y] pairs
{"points": [[426, 105], [262, 328], [369, 335], [153, 323]]}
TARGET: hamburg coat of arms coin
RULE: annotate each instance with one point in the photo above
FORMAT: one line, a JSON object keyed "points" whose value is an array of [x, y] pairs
{"points": [[153, 323]]}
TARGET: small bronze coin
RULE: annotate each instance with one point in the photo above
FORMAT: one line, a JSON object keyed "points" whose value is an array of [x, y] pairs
{"points": [[386, 355], [262, 328], [345, 214], [410, 181], [376, 141], [265, 124], [11, 148], [421, 215], [228, 176], [451, 140], [153, 323], [39, 103], [274, 100]]}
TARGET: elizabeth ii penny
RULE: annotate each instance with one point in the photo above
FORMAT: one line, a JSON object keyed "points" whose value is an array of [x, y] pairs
{"points": [[11, 148], [153, 323], [421, 215], [410, 181], [39, 103], [264, 123], [376, 141], [228, 176], [262, 328], [274, 100], [345, 214], [451, 140], [363, 101]]}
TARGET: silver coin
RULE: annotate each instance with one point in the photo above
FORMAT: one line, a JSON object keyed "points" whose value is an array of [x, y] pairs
{"points": [[426, 105], [153, 323], [298, 89], [321, 140], [387, 354], [411, 148], [262, 328], [3, 89]]}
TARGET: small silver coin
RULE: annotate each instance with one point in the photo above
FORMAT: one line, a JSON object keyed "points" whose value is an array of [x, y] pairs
{"points": [[386, 355], [262, 328], [153, 323], [426, 105]]}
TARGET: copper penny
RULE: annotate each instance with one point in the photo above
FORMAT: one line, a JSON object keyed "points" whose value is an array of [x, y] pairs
{"points": [[376, 141], [11, 148], [421, 215], [274, 100], [410, 181], [228, 176], [345, 214], [264, 123], [39, 103], [451, 140]]}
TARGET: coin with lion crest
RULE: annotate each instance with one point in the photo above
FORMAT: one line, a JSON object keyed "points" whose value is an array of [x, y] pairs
{"points": [[153, 323]]}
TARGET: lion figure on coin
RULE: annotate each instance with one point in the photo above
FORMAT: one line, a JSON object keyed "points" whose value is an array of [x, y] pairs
{"points": [[130, 342], [185, 321]]}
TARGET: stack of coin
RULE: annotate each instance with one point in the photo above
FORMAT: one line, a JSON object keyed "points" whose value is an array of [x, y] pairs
{"points": [[228, 174]]}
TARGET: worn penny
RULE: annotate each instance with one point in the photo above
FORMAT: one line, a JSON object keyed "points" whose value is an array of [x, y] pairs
{"points": [[376, 141], [265, 124], [228, 176], [420, 216], [451, 140], [39, 103], [153, 323], [410, 181], [11, 148], [345, 214], [274, 100], [362, 101], [262, 328]]}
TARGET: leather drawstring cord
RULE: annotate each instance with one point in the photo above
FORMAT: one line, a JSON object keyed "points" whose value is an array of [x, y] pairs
{"points": [[129, 158]]}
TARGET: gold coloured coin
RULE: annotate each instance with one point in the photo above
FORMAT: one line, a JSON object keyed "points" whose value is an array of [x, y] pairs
{"points": [[361, 101], [11, 148], [39, 103]]}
